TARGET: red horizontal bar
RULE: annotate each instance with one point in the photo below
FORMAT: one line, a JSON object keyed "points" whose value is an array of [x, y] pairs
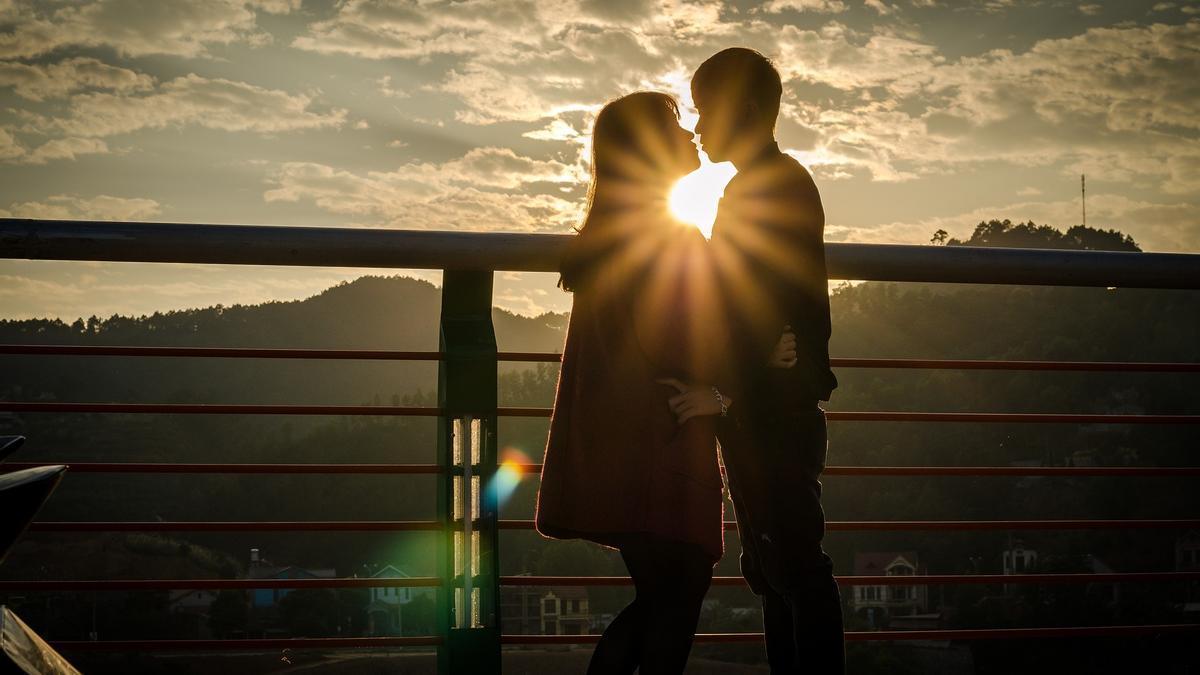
{"points": [[428, 525], [164, 467], [965, 525], [890, 635], [523, 412], [545, 581], [531, 469], [1147, 471], [1012, 471], [213, 584], [1012, 418], [218, 408], [915, 580], [220, 352], [529, 357], [238, 526], [1033, 418], [430, 640], [991, 364], [271, 644], [955, 364], [852, 416], [395, 355]]}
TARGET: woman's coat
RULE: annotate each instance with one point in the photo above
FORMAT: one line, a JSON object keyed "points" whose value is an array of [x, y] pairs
{"points": [[616, 460]]}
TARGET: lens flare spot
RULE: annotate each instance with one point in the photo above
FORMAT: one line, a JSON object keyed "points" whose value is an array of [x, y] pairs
{"points": [[509, 474], [694, 198]]}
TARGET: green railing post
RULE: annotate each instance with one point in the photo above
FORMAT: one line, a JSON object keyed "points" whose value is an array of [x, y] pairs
{"points": [[469, 598]]}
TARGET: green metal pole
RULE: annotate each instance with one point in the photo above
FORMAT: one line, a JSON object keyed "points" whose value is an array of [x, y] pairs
{"points": [[469, 601]]}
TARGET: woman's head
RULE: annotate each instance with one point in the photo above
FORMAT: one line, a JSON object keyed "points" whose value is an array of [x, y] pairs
{"points": [[639, 151], [637, 139]]}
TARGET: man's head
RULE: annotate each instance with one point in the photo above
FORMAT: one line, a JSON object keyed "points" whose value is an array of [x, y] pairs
{"points": [[736, 92]]}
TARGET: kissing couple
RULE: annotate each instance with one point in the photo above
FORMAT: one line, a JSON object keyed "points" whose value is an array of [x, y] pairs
{"points": [[676, 343]]}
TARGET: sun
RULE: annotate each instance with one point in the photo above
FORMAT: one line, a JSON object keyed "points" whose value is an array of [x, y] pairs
{"points": [[694, 198]]}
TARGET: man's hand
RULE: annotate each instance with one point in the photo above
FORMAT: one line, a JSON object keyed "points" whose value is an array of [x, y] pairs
{"points": [[693, 400], [784, 354]]}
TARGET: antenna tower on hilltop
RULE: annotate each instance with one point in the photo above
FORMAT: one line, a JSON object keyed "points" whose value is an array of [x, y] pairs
{"points": [[1083, 196]]}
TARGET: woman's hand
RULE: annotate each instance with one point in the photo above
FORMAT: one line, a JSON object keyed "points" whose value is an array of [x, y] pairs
{"points": [[693, 400], [784, 354]]}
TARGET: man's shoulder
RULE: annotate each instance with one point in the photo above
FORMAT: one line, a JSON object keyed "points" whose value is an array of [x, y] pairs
{"points": [[790, 175], [783, 191], [778, 176]]}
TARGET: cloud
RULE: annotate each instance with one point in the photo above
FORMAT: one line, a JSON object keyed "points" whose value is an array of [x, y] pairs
{"points": [[9, 147], [879, 6], [379, 29], [191, 100], [521, 59], [38, 82], [486, 189], [386, 89], [275, 6], [826, 6], [13, 152], [1113, 101], [556, 130], [72, 207], [135, 28], [64, 148], [832, 56], [1132, 78]]}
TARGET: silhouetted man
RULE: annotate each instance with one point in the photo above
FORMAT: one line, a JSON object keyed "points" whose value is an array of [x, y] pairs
{"points": [[767, 245]]}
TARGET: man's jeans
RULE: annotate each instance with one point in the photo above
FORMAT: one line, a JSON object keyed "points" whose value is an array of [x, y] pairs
{"points": [[774, 462]]}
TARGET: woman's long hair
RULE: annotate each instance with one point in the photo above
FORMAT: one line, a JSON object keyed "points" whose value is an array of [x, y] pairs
{"points": [[628, 151]]}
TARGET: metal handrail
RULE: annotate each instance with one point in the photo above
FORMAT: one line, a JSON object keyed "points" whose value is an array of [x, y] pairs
{"points": [[428, 249]]}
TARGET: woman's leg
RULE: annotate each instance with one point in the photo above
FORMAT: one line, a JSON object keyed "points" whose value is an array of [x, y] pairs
{"points": [[653, 634], [619, 649], [672, 579]]}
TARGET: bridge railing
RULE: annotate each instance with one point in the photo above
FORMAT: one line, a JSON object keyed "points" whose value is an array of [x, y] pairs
{"points": [[468, 636]]}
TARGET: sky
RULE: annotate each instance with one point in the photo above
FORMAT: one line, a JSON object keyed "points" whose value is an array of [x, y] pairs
{"points": [[912, 115]]}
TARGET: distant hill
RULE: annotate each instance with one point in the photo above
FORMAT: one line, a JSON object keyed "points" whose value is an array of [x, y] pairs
{"points": [[371, 312]]}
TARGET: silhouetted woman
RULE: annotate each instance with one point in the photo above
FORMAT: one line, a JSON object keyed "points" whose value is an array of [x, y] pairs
{"points": [[619, 469]]}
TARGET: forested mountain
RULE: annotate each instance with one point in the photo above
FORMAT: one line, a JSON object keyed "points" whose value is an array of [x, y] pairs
{"points": [[1031, 235]]}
